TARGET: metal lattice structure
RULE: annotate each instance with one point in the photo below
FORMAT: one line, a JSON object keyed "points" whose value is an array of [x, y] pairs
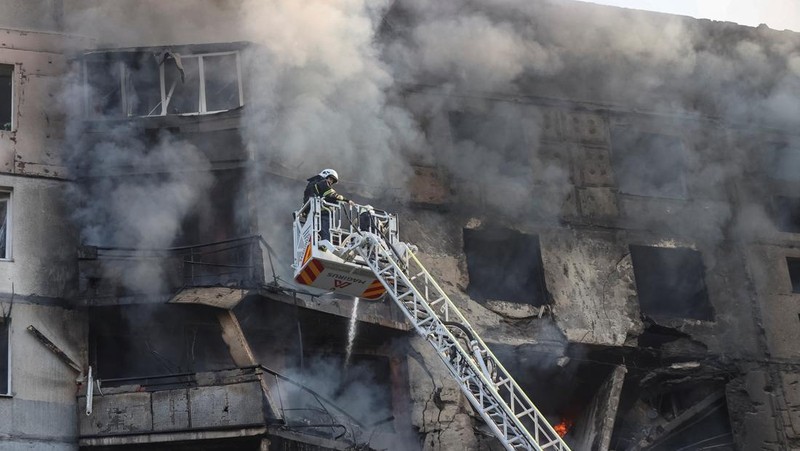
{"points": [[491, 390]]}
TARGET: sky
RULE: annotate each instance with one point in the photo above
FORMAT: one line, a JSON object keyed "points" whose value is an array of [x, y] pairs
{"points": [[777, 14]]}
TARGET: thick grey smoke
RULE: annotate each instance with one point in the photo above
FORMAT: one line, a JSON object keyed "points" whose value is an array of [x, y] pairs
{"points": [[356, 390], [474, 56], [134, 190], [141, 23], [318, 98]]}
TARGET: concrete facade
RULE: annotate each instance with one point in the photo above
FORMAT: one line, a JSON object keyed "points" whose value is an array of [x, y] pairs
{"points": [[39, 277], [658, 309]]}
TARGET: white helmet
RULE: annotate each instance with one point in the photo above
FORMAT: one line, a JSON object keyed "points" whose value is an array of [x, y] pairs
{"points": [[329, 173]]}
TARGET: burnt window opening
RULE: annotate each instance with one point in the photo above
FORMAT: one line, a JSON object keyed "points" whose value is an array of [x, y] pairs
{"points": [[162, 83], [672, 412], [148, 340], [648, 164], [794, 273], [505, 265], [671, 283], [5, 355], [574, 383], [6, 97], [786, 213]]}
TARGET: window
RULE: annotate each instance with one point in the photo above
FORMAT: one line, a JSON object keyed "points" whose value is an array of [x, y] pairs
{"points": [[671, 282], [794, 273], [504, 265], [5, 225], [6, 97], [648, 164], [786, 213], [5, 355], [157, 84]]}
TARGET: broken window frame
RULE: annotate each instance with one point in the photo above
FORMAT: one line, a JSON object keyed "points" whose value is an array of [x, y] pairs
{"points": [[5, 197], [203, 103], [123, 76], [13, 97]]}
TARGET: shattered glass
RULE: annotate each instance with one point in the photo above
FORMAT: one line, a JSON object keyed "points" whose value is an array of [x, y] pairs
{"points": [[222, 82]]}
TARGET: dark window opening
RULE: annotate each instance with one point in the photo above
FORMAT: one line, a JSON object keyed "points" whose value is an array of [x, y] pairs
{"points": [[672, 412], [794, 273], [149, 340], [671, 283], [648, 164], [6, 96], [5, 365], [786, 213], [575, 385], [505, 265]]}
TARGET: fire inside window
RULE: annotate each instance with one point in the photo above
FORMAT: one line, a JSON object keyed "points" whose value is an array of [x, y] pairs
{"points": [[786, 213], [158, 84], [794, 273], [6, 96], [671, 283], [648, 164], [504, 265]]}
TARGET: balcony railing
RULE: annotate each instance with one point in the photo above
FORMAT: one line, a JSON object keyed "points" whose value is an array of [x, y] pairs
{"points": [[116, 271], [210, 401]]}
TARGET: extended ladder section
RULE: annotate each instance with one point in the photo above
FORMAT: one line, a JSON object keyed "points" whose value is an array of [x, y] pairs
{"points": [[490, 389], [365, 242]]}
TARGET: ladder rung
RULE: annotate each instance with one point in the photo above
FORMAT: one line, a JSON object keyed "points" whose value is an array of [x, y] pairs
{"points": [[525, 412]]}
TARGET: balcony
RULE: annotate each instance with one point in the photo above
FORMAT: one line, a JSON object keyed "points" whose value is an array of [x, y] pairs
{"points": [[204, 410]]}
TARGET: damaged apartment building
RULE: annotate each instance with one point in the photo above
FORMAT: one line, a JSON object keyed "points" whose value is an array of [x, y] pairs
{"points": [[609, 196]]}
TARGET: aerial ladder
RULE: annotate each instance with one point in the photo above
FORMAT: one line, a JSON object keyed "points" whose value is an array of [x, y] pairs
{"points": [[365, 258]]}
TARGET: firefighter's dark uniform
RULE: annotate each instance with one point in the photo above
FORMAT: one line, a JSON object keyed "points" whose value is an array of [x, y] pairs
{"points": [[321, 187]]}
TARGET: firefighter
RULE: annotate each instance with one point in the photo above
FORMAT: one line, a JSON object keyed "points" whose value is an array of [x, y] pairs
{"points": [[321, 185]]}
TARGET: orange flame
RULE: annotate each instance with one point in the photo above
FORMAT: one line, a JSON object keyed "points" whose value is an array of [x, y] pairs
{"points": [[563, 427]]}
